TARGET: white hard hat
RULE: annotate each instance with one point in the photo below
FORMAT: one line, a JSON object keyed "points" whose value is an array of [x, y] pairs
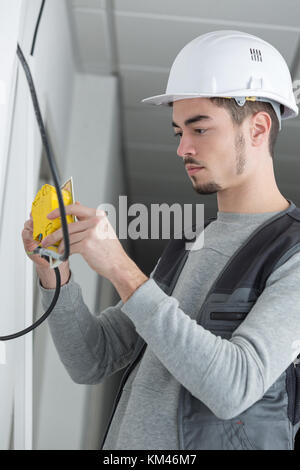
{"points": [[231, 64]]}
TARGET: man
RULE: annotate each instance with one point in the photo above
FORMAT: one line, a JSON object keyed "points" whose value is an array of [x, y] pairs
{"points": [[212, 369]]}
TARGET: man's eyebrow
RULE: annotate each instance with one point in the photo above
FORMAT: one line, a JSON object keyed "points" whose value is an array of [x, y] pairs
{"points": [[200, 117]]}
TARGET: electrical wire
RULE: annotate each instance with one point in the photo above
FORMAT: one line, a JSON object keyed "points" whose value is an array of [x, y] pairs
{"points": [[42, 252], [37, 27], [50, 158], [43, 317]]}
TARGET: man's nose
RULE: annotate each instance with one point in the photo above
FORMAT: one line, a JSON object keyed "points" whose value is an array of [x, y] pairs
{"points": [[186, 146]]}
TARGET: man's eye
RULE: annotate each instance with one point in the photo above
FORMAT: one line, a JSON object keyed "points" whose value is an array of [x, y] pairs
{"points": [[199, 131]]}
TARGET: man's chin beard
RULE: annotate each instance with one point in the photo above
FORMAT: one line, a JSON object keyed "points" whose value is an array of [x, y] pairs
{"points": [[208, 188]]}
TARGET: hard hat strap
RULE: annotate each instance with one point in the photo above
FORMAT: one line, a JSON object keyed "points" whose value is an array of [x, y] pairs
{"points": [[241, 100]]}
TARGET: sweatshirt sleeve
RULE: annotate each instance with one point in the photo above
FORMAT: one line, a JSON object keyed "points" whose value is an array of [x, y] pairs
{"points": [[91, 347], [228, 376]]}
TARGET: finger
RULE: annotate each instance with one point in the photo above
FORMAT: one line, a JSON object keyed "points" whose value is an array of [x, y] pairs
{"points": [[61, 247], [27, 232], [75, 239], [28, 236], [28, 224], [77, 209], [72, 228]]}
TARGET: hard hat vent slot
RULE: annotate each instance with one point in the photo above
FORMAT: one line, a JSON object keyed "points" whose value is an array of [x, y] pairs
{"points": [[256, 55]]}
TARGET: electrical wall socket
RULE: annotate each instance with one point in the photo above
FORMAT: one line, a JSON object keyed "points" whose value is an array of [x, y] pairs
{"points": [[2, 354]]}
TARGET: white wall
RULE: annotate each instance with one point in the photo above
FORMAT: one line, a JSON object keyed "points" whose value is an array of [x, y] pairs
{"points": [[19, 185], [81, 114], [10, 170]]}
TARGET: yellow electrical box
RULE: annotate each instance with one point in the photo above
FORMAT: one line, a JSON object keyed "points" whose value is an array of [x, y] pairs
{"points": [[45, 202]]}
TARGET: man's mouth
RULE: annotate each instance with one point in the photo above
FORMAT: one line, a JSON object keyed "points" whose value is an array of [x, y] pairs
{"points": [[191, 169]]}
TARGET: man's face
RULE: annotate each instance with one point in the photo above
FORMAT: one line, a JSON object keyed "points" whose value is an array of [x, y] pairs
{"points": [[211, 142]]}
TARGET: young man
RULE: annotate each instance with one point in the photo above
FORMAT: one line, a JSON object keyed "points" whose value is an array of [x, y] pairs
{"points": [[209, 339]]}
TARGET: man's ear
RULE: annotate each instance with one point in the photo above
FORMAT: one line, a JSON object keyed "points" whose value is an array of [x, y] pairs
{"points": [[260, 127]]}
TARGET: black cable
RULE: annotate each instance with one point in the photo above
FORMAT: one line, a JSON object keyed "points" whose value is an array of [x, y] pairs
{"points": [[52, 164], [43, 318], [50, 158], [37, 27]]}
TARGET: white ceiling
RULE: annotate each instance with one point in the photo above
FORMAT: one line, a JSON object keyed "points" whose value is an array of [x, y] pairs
{"points": [[138, 40]]}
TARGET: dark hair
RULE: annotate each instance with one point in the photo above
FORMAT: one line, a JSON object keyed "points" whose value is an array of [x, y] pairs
{"points": [[240, 113]]}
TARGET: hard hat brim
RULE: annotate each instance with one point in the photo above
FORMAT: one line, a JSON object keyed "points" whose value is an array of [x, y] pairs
{"points": [[165, 99]]}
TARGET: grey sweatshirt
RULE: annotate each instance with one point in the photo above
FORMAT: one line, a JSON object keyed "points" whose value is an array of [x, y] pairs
{"points": [[228, 376]]}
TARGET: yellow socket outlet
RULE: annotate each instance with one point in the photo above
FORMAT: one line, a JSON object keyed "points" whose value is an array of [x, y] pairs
{"points": [[45, 202]]}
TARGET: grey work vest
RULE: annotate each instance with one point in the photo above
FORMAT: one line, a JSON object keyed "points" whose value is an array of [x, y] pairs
{"points": [[271, 422]]}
